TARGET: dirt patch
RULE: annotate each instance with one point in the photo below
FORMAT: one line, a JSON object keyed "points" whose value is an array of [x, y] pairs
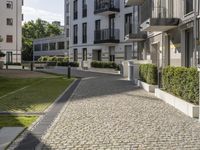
{"points": [[22, 74]]}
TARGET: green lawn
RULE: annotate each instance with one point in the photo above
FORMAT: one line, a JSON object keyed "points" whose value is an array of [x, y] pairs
{"points": [[15, 121], [9, 84], [36, 98]]}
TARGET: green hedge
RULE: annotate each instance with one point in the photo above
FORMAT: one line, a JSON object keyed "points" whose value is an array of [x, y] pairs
{"points": [[99, 64], [182, 82], [64, 64], [148, 73], [53, 59]]}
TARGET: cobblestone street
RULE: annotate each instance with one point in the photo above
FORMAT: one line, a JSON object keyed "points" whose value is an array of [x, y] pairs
{"points": [[106, 112]]}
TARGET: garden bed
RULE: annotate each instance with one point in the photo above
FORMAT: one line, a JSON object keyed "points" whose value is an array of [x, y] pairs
{"points": [[147, 87]]}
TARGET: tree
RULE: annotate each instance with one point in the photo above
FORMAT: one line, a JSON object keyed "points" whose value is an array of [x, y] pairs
{"points": [[34, 30], [1, 53]]}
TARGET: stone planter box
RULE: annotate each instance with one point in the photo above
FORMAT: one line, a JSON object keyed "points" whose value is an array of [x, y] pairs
{"points": [[185, 107], [147, 87], [1, 65]]}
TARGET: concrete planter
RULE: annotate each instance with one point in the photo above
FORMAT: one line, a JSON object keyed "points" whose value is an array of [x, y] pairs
{"points": [[185, 107], [1, 65], [147, 87]]}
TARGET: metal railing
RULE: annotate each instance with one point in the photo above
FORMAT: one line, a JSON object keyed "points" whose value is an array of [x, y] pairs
{"points": [[106, 34], [101, 5]]}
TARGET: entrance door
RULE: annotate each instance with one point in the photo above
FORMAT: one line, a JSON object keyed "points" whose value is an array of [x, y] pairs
{"points": [[75, 55], [96, 55], [9, 57], [189, 48]]}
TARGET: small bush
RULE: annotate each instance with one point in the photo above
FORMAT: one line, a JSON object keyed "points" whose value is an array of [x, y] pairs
{"points": [[65, 64], [182, 82], [98, 64], [148, 73]]}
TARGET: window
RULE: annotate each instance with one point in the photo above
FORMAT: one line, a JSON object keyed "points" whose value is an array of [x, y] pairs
{"points": [[9, 38], [67, 8], [98, 25], [84, 32], [75, 34], [75, 9], [75, 55], [67, 44], [112, 54], [45, 47], [67, 33], [52, 46], [85, 54], [128, 24], [9, 21], [9, 4], [37, 47], [84, 8], [67, 20], [189, 6], [61, 45]]}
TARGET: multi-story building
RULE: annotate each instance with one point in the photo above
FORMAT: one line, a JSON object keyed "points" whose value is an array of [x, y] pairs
{"points": [[50, 46], [10, 29], [172, 28], [97, 30]]}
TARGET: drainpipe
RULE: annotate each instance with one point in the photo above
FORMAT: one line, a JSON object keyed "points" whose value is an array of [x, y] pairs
{"points": [[195, 33]]}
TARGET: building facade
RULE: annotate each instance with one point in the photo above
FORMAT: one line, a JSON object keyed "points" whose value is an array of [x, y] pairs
{"points": [[11, 30], [172, 28], [51, 46], [97, 30]]}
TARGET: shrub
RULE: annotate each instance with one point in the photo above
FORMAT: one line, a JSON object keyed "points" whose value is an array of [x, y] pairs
{"points": [[43, 59], [148, 73], [64, 64], [99, 64], [182, 82]]}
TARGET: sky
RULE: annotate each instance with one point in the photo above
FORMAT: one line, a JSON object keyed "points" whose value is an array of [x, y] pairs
{"points": [[49, 10]]}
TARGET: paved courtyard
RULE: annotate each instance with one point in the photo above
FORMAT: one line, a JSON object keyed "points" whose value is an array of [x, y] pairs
{"points": [[106, 112]]}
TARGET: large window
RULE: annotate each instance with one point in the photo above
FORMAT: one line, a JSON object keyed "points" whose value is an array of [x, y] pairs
{"points": [[128, 23], [75, 9], [75, 34], [61, 45], [37, 47], [45, 47], [52, 46], [84, 32], [189, 6], [9, 38], [84, 8], [75, 55], [9, 21], [9, 4]]}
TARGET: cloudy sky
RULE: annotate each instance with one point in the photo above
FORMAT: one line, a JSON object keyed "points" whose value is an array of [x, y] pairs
{"points": [[49, 10]]}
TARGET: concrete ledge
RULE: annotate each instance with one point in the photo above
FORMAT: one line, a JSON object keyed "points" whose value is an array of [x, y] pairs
{"points": [[185, 107], [147, 87]]}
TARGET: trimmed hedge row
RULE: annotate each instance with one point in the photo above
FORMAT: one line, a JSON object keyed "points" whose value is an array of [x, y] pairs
{"points": [[64, 64], [182, 82], [148, 73], [53, 59], [99, 64]]}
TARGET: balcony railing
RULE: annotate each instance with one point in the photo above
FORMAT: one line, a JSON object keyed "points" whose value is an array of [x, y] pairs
{"points": [[106, 5], [107, 36], [153, 11]]}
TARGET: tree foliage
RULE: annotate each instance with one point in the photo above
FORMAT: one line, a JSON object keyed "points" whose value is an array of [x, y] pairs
{"points": [[34, 30]]}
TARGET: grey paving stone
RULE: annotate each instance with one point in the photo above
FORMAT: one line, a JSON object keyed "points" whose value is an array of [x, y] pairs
{"points": [[8, 134]]}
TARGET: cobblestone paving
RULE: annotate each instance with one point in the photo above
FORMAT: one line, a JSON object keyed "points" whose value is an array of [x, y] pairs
{"points": [[108, 113]]}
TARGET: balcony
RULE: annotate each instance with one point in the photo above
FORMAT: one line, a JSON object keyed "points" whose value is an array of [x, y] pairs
{"points": [[155, 18], [133, 34], [106, 36], [106, 7], [133, 2]]}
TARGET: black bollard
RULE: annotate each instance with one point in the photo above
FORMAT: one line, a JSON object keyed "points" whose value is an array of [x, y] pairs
{"points": [[22, 67], [69, 72], [31, 66]]}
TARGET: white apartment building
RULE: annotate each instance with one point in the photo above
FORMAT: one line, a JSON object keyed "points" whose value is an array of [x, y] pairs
{"points": [[10, 29], [97, 30], [173, 31]]}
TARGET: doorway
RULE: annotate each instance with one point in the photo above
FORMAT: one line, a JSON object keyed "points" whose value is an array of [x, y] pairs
{"points": [[112, 54], [96, 55], [9, 57], [189, 48], [155, 54]]}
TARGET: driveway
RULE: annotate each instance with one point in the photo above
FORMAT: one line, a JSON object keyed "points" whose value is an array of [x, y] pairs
{"points": [[107, 112]]}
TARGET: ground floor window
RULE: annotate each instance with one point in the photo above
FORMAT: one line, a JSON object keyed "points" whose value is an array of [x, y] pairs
{"points": [[96, 55], [9, 57], [75, 55], [85, 54], [112, 54]]}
